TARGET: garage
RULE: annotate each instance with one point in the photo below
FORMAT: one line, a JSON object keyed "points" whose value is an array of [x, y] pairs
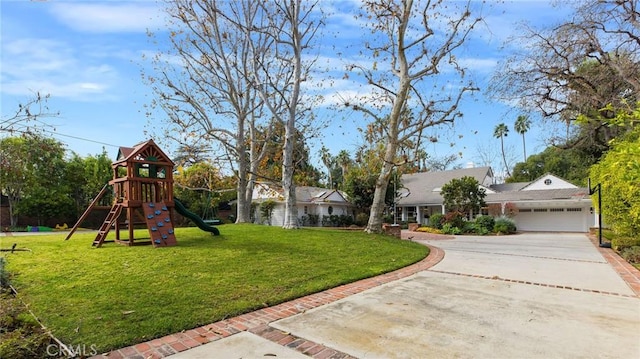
{"points": [[564, 219], [547, 204]]}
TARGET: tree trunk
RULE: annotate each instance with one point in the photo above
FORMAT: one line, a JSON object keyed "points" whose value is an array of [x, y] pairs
{"points": [[290, 209], [244, 201], [524, 148], [504, 157], [13, 200], [377, 208], [244, 198]]}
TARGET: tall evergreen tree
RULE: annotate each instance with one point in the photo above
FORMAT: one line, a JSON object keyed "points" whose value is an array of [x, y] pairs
{"points": [[522, 125], [501, 132]]}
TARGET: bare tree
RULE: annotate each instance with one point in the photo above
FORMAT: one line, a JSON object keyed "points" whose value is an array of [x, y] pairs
{"points": [[290, 28], [205, 84], [578, 68], [28, 117], [408, 41]]}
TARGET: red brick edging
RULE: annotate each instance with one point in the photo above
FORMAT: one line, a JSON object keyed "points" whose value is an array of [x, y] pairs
{"points": [[257, 322], [629, 273]]}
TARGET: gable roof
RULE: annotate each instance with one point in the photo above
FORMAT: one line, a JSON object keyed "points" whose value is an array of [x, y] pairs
{"points": [[540, 195], [304, 194], [548, 181], [143, 151], [424, 187]]}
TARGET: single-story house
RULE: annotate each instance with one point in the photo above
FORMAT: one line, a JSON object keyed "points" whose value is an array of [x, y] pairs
{"points": [[313, 203], [547, 204]]}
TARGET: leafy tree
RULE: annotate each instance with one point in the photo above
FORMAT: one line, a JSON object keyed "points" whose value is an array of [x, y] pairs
{"points": [[619, 175], [360, 180], [270, 167], [521, 126], [463, 195], [202, 188], [405, 41], [570, 164], [500, 131], [14, 171], [266, 210], [32, 171], [337, 167]]}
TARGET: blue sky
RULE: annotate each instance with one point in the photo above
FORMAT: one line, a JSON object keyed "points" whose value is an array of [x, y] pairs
{"points": [[88, 56]]}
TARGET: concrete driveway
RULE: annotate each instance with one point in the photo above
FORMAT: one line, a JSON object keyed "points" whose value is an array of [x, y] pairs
{"points": [[522, 296]]}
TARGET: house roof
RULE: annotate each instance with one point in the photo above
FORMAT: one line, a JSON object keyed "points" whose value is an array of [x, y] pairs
{"points": [[506, 187], [424, 187], [304, 194], [539, 195], [142, 151]]}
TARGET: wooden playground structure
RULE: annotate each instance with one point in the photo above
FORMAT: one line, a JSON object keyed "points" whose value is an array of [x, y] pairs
{"points": [[143, 194]]}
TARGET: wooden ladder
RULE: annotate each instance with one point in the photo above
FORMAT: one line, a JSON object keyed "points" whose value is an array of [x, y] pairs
{"points": [[87, 211], [106, 225]]}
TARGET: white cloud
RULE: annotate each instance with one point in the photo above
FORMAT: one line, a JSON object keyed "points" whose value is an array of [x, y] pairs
{"points": [[108, 17], [52, 67]]}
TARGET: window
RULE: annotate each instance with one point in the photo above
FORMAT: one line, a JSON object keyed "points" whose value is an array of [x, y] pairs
{"points": [[547, 181], [539, 209], [556, 210], [574, 209], [525, 210], [306, 210]]}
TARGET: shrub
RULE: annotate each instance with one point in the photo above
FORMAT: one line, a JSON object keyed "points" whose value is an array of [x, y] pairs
{"points": [[468, 227], [21, 336], [345, 220], [504, 225], [314, 219], [480, 230], [447, 228], [485, 222], [620, 243], [362, 219], [435, 220], [455, 219], [631, 254], [429, 230]]}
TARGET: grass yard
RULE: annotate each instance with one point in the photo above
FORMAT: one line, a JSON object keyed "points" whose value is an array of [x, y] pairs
{"points": [[116, 296]]}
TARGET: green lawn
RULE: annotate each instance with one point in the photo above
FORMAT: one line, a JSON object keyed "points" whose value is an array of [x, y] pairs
{"points": [[116, 296]]}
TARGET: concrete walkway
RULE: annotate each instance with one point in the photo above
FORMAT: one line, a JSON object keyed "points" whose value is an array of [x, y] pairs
{"points": [[522, 296]]}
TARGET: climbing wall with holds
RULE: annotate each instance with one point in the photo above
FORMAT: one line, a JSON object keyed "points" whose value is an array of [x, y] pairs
{"points": [[158, 219]]}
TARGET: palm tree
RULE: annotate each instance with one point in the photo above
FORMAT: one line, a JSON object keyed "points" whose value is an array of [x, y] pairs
{"points": [[521, 126], [344, 161], [326, 158], [501, 132]]}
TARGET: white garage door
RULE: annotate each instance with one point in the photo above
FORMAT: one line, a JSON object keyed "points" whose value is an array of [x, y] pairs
{"points": [[553, 219]]}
